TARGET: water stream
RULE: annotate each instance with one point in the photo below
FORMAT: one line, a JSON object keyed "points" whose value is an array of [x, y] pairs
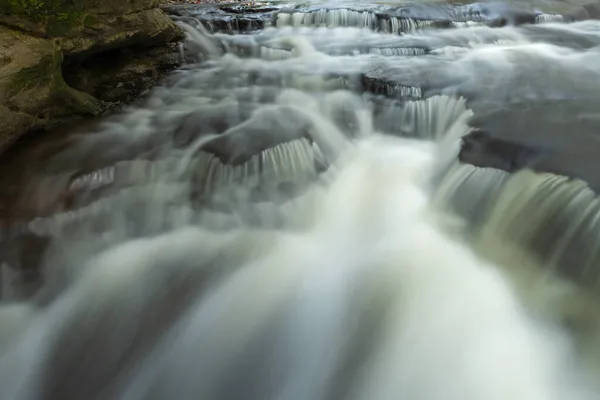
{"points": [[295, 214]]}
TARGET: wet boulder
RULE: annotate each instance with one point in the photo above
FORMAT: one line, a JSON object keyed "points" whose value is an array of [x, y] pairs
{"points": [[225, 18], [482, 149], [267, 128], [557, 136]]}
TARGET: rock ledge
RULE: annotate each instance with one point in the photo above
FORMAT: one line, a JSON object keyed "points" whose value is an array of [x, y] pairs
{"points": [[64, 59]]}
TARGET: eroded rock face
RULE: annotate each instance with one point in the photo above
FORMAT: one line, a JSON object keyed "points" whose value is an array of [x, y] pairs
{"points": [[46, 76], [33, 93]]}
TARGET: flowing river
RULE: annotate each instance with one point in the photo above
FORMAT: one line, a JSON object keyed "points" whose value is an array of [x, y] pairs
{"points": [[326, 201]]}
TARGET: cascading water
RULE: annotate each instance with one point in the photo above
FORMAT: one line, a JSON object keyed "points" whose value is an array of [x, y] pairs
{"points": [[286, 217]]}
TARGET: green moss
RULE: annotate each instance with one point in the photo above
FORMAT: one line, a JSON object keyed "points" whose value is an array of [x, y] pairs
{"points": [[41, 74], [61, 25], [42, 10], [80, 102], [34, 9], [91, 20], [62, 99]]}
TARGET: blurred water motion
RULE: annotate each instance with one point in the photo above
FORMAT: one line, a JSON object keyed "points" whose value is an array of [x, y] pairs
{"points": [[374, 202]]}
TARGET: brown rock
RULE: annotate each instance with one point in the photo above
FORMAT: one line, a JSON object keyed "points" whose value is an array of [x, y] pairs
{"points": [[32, 90], [144, 28], [37, 51]]}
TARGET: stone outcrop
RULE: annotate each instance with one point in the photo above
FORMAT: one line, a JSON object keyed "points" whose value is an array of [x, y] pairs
{"points": [[62, 59]]}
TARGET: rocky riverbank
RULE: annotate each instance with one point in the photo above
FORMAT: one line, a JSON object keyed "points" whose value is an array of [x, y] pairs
{"points": [[60, 60]]}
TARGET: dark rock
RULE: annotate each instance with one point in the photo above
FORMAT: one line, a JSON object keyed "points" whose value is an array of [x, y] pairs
{"points": [[40, 50], [379, 85], [121, 75], [225, 18], [265, 129], [481, 149], [234, 23], [562, 137]]}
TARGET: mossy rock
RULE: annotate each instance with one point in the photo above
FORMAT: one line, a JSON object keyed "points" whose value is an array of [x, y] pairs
{"points": [[39, 10], [90, 21], [114, 7], [43, 84], [45, 18], [66, 9], [64, 25], [37, 34], [41, 74]]}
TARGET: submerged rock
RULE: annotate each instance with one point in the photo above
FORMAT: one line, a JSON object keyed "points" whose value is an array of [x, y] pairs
{"points": [[556, 136], [58, 59]]}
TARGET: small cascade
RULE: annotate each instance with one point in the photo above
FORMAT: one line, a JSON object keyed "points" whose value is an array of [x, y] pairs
{"points": [[269, 53], [225, 21], [390, 21], [201, 40], [402, 92], [553, 218], [453, 51], [543, 18], [466, 24], [181, 52], [328, 18], [122, 173], [233, 24], [296, 213], [469, 192], [398, 25], [390, 89], [349, 18], [293, 161], [395, 51], [430, 118], [95, 214], [93, 180], [566, 238]]}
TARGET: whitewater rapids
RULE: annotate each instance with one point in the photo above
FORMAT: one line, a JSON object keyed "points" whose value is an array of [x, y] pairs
{"points": [[389, 274], [374, 299]]}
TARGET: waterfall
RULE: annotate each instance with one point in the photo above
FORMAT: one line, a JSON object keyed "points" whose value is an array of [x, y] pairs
{"points": [[290, 216]]}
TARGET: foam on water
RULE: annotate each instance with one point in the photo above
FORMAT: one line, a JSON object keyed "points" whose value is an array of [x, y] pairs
{"points": [[448, 327], [383, 269]]}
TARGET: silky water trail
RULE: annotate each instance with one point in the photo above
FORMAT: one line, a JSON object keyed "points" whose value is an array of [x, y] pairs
{"points": [[256, 228]]}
